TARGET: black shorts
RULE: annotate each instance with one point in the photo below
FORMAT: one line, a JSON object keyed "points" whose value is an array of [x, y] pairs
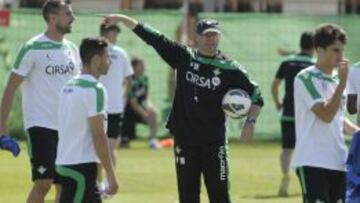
{"points": [[211, 161], [78, 183], [42, 148], [114, 125], [288, 134], [131, 118], [321, 185]]}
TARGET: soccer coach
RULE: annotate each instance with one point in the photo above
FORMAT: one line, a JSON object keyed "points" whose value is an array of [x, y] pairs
{"points": [[196, 120]]}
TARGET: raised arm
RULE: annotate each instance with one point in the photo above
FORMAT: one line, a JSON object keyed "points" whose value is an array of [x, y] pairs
{"points": [[326, 111], [119, 18], [172, 52]]}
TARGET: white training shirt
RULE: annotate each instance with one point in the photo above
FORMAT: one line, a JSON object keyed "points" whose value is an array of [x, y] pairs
{"points": [[353, 85], [113, 81], [81, 98], [45, 65], [318, 144]]}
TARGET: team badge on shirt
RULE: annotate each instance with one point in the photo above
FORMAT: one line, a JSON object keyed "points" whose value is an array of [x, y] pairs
{"points": [[48, 57], [216, 80], [217, 72]]}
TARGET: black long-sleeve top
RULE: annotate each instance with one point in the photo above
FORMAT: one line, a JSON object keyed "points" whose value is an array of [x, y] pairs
{"points": [[197, 117]]}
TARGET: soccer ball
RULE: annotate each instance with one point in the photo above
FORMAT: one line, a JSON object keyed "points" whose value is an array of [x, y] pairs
{"points": [[236, 103]]}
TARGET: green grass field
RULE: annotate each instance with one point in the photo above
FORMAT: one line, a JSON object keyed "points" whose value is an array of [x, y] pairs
{"points": [[148, 176]]}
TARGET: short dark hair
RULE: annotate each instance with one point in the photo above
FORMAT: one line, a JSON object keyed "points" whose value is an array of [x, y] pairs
{"points": [[327, 34], [108, 28], [92, 46], [136, 61], [307, 40], [52, 7]]}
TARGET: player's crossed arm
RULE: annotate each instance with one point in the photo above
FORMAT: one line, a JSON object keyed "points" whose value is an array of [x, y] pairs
{"points": [[326, 111]]}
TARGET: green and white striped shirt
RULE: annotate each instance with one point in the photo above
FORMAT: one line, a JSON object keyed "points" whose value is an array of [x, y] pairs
{"points": [[81, 98], [318, 144], [45, 65]]}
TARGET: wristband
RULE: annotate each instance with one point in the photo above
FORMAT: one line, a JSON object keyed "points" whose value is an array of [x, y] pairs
{"points": [[251, 120]]}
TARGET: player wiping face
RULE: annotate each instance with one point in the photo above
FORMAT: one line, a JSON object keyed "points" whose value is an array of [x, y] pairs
{"points": [[333, 57]]}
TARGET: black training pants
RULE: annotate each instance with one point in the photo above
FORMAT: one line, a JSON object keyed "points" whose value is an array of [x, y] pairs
{"points": [[211, 162]]}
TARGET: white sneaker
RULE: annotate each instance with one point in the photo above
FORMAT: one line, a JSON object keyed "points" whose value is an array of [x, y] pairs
{"points": [[154, 144], [102, 188]]}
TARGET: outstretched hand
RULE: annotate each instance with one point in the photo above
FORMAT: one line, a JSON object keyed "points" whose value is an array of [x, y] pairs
{"points": [[112, 19], [9, 144]]}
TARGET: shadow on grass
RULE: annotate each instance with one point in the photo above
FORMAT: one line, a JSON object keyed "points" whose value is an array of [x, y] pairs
{"points": [[270, 196]]}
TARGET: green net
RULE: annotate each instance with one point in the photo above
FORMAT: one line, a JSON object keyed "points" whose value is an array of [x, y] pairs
{"points": [[252, 39]]}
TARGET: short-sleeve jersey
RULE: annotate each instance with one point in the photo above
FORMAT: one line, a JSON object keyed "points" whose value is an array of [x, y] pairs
{"points": [[120, 68], [318, 144], [81, 98], [287, 71], [45, 65]]}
